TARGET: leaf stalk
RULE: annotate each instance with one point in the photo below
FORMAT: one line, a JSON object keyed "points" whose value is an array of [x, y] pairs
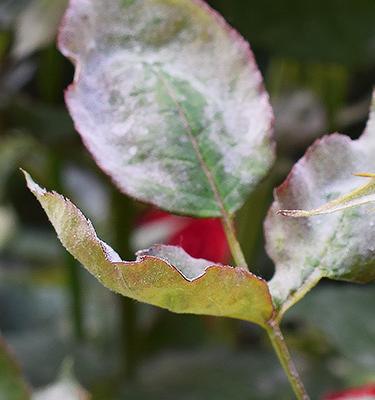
{"points": [[233, 243], [278, 342]]}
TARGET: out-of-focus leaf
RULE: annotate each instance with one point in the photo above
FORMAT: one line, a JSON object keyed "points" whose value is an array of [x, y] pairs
{"points": [[164, 276], [36, 26], [204, 375], [90, 192], [12, 386], [62, 390], [66, 388], [337, 246], [362, 195], [38, 118], [13, 78], [9, 9], [13, 149], [7, 224], [300, 118], [341, 328], [169, 101]]}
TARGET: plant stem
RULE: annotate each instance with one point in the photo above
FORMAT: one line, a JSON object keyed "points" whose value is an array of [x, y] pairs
{"points": [[281, 349], [272, 327], [233, 243]]}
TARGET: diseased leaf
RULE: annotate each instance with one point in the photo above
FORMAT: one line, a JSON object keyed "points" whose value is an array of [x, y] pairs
{"points": [[362, 195], [169, 101], [12, 386], [164, 276], [339, 245]]}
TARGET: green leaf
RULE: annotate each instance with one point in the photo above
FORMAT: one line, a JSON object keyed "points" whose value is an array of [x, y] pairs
{"points": [[12, 386], [362, 195], [337, 246], [169, 101], [164, 276]]}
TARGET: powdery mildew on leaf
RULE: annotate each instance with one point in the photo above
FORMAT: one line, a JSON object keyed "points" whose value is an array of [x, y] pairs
{"points": [[362, 195], [339, 245], [164, 276], [169, 100]]}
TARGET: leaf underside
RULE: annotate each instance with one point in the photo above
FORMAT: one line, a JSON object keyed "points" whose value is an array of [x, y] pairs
{"points": [[340, 245], [169, 101], [164, 276]]}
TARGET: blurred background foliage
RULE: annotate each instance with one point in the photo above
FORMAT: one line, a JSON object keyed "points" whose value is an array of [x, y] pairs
{"points": [[318, 60]]}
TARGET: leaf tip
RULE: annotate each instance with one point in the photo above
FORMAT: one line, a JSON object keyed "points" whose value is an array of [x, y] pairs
{"points": [[32, 185]]}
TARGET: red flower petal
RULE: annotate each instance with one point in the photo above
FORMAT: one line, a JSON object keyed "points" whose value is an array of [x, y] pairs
{"points": [[364, 392], [201, 238]]}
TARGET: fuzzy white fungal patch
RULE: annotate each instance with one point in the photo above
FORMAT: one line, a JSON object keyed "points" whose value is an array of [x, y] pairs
{"points": [[339, 245], [159, 82]]}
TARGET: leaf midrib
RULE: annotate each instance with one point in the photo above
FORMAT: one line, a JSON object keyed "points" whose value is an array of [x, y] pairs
{"points": [[189, 130]]}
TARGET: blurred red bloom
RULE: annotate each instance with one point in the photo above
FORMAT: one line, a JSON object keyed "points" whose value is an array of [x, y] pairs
{"points": [[200, 237], [365, 392]]}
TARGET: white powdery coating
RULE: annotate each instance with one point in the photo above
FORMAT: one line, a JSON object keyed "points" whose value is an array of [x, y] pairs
{"points": [[191, 268], [115, 107], [339, 245]]}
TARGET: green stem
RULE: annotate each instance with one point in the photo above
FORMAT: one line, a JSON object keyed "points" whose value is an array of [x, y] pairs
{"points": [[233, 243], [272, 327], [281, 349]]}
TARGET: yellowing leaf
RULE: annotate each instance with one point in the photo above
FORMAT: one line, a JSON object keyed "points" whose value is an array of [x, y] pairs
{"points": [[165, 276], [363, 195]]}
